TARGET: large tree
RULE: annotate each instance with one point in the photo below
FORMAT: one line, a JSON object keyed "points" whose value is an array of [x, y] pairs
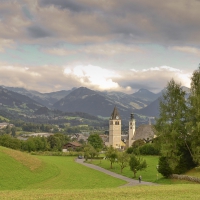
{"points": [[170, 125], [96, 141], [193, 125]]}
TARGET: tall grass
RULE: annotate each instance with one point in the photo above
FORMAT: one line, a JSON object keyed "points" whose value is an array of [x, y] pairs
{"points": [[164, 192]]}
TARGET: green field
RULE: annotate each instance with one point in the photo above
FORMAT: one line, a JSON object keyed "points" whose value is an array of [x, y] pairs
{"points": [[150, 174], [23, 171], [24, 176]]}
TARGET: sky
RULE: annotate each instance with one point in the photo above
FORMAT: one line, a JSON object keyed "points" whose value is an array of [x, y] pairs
{"points": [[112, 45]]}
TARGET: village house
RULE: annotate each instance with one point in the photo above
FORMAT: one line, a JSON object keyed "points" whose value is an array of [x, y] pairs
{"points": [[71, 146]]}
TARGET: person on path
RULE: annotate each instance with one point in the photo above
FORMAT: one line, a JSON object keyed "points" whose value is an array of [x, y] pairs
{"points": [[140, 179]]}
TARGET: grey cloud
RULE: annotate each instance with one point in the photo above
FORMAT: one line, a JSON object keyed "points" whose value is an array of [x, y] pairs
{"points": [[36, 31], [85, 21], [73, 5]]}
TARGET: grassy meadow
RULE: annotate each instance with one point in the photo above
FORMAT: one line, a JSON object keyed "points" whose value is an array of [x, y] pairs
{"points": [[23, 171], [150, 174], [25, 176]]}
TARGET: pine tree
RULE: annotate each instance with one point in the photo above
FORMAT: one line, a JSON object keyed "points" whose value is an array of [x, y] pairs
{"points": [[193, 125], [170, 125]]}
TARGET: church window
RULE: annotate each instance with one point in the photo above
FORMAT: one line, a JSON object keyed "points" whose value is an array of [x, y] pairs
{"points": [[117, 123], [130, 127], [130, 123]]}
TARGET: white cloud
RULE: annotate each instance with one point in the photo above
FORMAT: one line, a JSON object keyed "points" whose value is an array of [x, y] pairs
{"points": [[54, 78], [94, 76], [156, 78]]}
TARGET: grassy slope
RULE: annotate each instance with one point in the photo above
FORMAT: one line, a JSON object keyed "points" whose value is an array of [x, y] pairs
{"points": [[20, 170], [62, 178]]}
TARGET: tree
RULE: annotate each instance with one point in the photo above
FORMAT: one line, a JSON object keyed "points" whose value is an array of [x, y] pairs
{"points": [[89, 151], [13, 131], [123, 160], [170, 125], [111, 155], [136, 164], [193, 125], [96, 141]]}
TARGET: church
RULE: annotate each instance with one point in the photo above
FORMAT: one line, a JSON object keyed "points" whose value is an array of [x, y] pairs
{"points": [[144, 132]]}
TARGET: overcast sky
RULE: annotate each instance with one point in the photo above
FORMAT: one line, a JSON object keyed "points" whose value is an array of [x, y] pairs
{"points": [[121, 45]]}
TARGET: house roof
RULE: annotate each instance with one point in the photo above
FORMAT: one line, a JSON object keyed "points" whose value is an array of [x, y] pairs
{"points": [[115, 114], [74, 144]]}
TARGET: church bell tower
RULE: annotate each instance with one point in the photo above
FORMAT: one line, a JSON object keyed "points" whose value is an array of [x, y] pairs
{"points": [[115, 129], [131, 131]]}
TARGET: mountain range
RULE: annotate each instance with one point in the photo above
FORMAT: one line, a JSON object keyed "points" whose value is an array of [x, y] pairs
{"points": [[143, 103]]}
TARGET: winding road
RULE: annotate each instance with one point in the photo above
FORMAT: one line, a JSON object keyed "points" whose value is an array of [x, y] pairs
{"points": [[130, 182]]}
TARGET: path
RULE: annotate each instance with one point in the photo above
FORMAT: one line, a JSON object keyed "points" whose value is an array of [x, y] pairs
{"points": [[131, 182]]}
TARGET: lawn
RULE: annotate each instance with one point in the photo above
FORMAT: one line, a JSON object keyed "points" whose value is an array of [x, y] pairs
{"points": [[150, 174], [24, 176], [23, 171]]}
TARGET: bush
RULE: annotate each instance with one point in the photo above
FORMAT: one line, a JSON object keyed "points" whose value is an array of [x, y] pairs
{"points": [[164, 167], [148, 149]]}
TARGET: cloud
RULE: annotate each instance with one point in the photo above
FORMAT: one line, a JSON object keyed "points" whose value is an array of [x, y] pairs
{"points": [[5, 43], [37, 31], [156, 78], [53, 78], [85, 21], [94, 76], [186, 49], [99, 49]]}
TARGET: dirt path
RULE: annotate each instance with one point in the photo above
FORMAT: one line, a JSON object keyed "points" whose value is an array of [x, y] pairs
{"points": [[131, 182]]}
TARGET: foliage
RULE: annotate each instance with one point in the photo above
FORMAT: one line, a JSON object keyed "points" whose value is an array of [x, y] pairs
{"points": [[149, 149], [96, 141], [140, 147], [135, 147], [193, 125], [170, 126], [136, 164], [89, 151], [111, 155], [123, 159], [164, 167]]}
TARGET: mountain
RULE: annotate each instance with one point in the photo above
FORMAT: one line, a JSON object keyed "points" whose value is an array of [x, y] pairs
{"points": [[145, 95], [127, 100], [152, 110], [17, 101], [46, 99], [102, 103], [85, 100]]}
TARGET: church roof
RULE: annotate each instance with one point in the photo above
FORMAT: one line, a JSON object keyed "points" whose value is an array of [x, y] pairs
{"points": [[144, 132], [115, 114]]}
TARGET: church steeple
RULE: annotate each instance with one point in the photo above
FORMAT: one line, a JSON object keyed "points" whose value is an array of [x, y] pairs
{"points": [[115, 114], [131, 131], [115, 129]]}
